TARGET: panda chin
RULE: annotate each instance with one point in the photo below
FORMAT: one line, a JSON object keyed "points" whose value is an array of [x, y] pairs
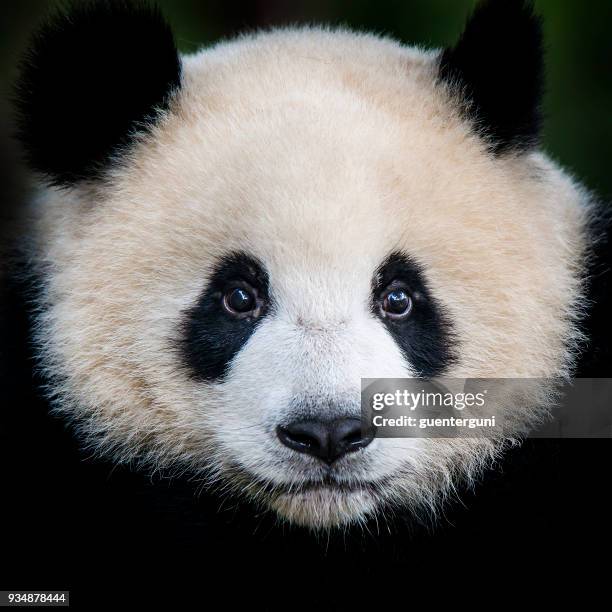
{"points": [[318, 504], [321, 500], [324, 507], [325, 504]]}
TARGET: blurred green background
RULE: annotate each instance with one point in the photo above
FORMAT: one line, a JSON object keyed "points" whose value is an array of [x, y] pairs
{"points": [[578, 129]]}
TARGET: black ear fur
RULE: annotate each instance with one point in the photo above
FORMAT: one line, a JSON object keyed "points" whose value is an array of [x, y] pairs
{"points": [[93, 76], [497, 67]]}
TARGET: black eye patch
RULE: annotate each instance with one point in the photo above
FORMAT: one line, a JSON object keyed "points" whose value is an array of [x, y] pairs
{"points": [[210, 336], [425, 337]]}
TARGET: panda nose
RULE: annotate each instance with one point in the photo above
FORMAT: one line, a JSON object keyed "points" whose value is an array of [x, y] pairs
{"points": [[327, 440]]}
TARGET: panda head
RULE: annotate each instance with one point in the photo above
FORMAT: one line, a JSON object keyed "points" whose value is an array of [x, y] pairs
{"points": [[231, 240]]}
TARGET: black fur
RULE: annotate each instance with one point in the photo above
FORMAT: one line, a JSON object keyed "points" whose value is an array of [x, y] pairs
{"points": [[426, 336], [497, 69], [211, 337], [93, 76]]}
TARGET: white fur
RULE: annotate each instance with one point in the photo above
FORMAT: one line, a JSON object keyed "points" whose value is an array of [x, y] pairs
{"points": [[319, 152]]}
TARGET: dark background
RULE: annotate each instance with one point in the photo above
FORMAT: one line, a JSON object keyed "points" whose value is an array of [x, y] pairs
{"points": [[541, 519]]}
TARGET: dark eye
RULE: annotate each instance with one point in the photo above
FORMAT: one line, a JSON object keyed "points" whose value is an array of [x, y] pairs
{"points": [[240, 300], [396, 303]]}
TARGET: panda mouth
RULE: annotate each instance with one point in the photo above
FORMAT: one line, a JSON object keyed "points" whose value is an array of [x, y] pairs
{"points": [[324, 484], [330, 485], [318, 501]]}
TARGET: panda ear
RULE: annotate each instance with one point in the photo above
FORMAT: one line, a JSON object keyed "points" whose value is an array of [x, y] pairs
{"points": [[93, 77], [497, 69]]}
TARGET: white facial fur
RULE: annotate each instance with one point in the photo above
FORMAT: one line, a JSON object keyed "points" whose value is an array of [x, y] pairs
{"points": [[318, 152]]}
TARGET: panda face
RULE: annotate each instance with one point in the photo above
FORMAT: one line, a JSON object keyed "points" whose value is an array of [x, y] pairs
{"points": [[311, 207]]}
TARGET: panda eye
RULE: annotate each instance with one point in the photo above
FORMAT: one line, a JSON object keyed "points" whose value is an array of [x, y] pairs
{"points": [[240, 301], [396, 303]]}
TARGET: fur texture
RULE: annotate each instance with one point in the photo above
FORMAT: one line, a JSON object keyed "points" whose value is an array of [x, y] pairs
{"points": [[319, 153]]}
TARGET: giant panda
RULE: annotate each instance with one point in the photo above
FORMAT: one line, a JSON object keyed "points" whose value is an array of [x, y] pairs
{"points": [[221, 245]]}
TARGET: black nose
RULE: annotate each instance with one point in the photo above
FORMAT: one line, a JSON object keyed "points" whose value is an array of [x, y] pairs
{"points": [[328, 440]]}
